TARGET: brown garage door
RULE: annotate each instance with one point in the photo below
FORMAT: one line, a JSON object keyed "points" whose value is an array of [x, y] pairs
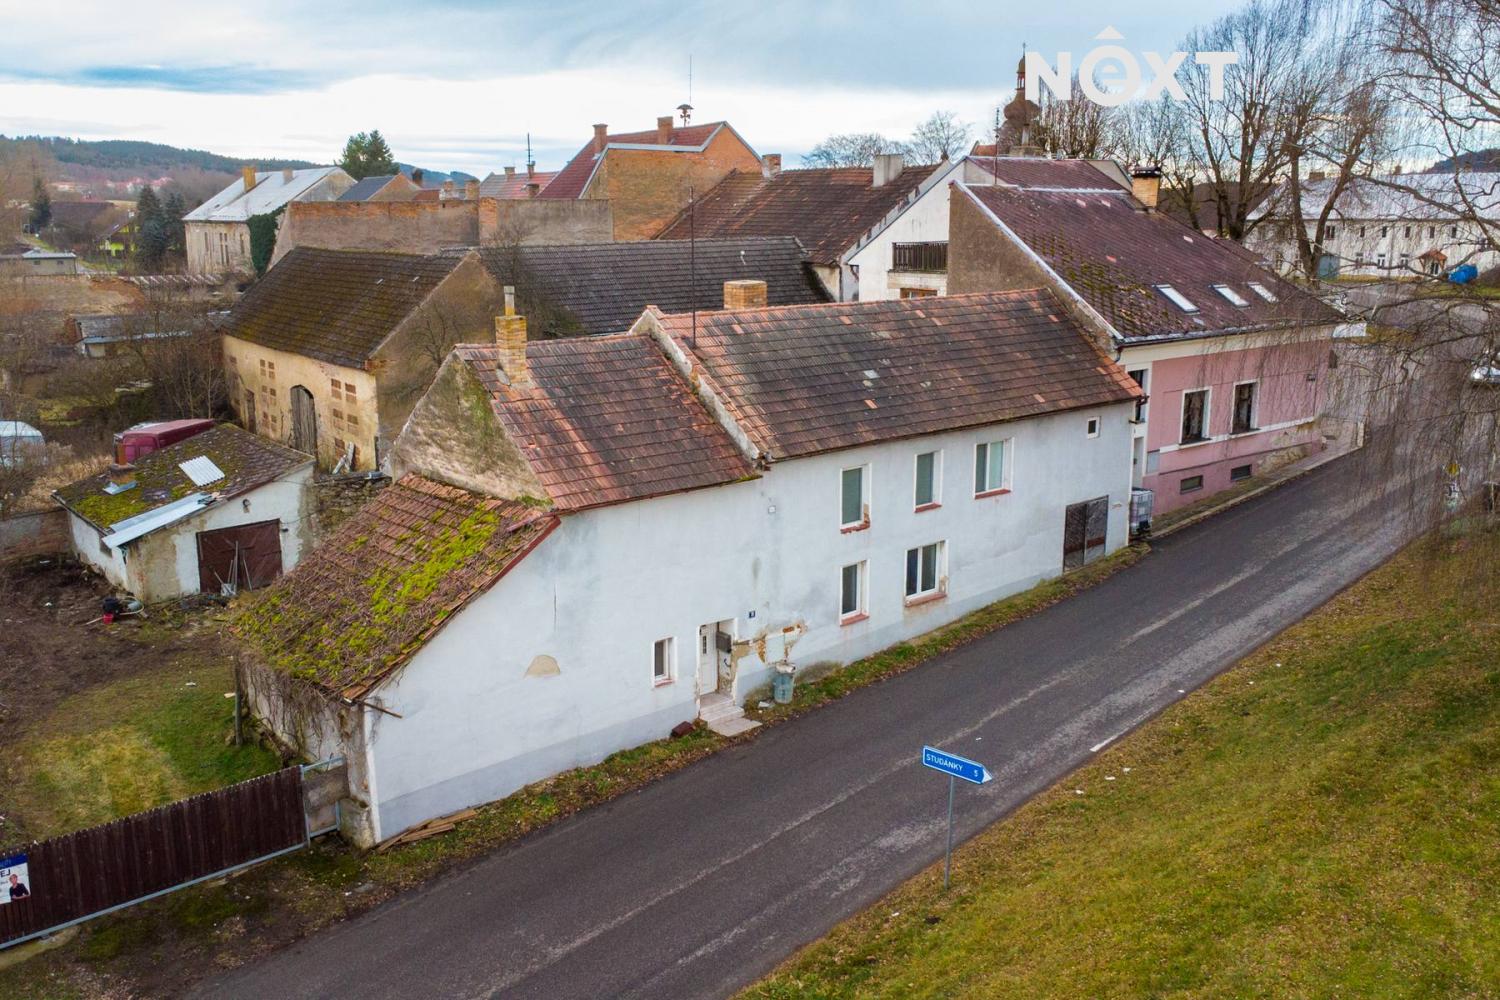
{"points": [[248, 556]]}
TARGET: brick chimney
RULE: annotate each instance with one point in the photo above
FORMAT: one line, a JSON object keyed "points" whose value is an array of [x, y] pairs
{"points": [[601, 138], [510, 172], [530, 168], [888, 167], [770, 165], [510, 337], [471, 189], [286, 175], [533, 189], [745, 293], [663, 130], [416, 176], [1145, 186], [247, 174]]}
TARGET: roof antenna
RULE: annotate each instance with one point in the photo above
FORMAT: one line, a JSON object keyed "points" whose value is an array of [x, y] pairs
{"points": [[530, 163], [685, 109]]}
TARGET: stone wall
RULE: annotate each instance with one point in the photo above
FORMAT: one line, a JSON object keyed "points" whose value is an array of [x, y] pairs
{"points": [[39, 533], [337, 498]]}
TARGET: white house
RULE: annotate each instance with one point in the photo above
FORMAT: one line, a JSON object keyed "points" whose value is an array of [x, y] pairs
{"points": [[596, 539], [217, 232], [1402, 225], [222, 507], [905, 254]]}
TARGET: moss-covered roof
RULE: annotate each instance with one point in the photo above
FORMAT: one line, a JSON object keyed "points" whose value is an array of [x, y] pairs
{"points": [[364, 601], [247, 461]]}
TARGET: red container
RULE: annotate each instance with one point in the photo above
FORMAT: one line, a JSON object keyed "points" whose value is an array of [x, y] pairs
{"points": [[143, 439]]}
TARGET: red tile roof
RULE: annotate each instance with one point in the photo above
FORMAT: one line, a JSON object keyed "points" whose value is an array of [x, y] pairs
{"points": [[608, 420], [573, 178], [828, 210], [1034, 172], [336, 305], [361, 603], [514, 186], [1114, 255], [807, 379]]}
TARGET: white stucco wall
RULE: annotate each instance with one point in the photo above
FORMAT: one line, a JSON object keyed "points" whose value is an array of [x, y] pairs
{"points": [[606, 584], [923, 221]]}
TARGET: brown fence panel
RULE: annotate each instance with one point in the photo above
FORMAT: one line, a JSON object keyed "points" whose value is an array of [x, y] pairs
{"points": [[88, 872]]}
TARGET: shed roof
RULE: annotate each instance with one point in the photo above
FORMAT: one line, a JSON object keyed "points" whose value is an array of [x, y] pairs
{"points": [[271, 191], [828, 210], [360, 604], [604, 286], [808, 379], [247, 460], [336, 305], [1115, 256], [607, 420]]}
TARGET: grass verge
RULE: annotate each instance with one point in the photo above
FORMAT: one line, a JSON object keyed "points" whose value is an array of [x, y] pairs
{"points": [[147, 948], [1322, 820]]}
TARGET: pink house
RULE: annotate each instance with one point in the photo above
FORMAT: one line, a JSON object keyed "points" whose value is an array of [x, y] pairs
{"points": [[1234, 359]]}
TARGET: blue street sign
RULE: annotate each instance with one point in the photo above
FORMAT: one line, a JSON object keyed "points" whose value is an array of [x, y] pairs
{"points": [[955, 766]]}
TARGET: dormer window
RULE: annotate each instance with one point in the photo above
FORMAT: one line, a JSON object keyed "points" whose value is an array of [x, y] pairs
{"points": [[1178, 299], [1231, 296], [1262, 291]]}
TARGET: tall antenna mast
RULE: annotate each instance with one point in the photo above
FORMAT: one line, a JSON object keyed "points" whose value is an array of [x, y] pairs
{"points": [[693, 260]]}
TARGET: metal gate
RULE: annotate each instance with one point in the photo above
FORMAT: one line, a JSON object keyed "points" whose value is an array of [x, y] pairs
{"points": [[241, 558], [1085, 532]]}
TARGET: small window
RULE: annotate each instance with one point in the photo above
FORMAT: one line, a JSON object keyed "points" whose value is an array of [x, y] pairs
{"points": [[1194, 416], [1262, 291], [1361, 232], [1453, 231], [1091, 428], [1405, 261], [1383, 231], [1178, 299], [1407, 234], [1380, 260], [1431, 232], [991, 467], [663, 653], [852, 592], [927, 473], [1330, 232], [1140, 376], [923, 574], [1191, 484], [1232, 296], [1239, 472], [1244, 408], [854, 508]]}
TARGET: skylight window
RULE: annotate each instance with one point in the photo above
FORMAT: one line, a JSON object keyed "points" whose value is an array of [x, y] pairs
{"points": [[1231, 296], [1262, 291], [1178, 299]]}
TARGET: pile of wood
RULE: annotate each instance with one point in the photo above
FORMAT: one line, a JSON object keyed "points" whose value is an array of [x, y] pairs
{"points": [[431, 828]]}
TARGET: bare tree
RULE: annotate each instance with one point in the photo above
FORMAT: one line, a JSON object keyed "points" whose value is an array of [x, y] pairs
{"points": [[1079, 128], [850, 149], [941, 136]]}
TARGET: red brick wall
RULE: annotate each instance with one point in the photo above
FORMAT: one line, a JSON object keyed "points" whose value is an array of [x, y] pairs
{"points": [[648, 188]]}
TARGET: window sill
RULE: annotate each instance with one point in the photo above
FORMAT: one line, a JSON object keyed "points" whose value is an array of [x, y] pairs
{"points": [[1003, 491], [657, 682], [854, 619], [936, 595], [919, 508], [1195, 442], [1243, 431], [850, 529]]}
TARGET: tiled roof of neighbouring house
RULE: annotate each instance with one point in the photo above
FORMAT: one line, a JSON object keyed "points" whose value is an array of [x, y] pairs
{"points": [[366, 188], [247, 461], [608, 420], [604, 287], [807, 379], [827, 210], [336, 305], [360, 604], [514, 186], [571, 180], [1115, 255], [1041, 172]]}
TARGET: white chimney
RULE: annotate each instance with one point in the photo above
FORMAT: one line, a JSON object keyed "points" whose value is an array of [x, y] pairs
{"points": [[888, 167]]}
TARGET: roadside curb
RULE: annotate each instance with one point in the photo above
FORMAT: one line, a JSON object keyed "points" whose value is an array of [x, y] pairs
{"points": [[1233, 502]]}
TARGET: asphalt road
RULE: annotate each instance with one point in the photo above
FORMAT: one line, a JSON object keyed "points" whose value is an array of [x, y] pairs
{"points": [[705, 880]]}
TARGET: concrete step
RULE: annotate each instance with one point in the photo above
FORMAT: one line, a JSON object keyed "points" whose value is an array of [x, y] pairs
{"points": [[718, 706], [734, 726]]}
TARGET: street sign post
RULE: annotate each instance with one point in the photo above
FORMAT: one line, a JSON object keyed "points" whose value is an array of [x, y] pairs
{"points": [[956, 768]]}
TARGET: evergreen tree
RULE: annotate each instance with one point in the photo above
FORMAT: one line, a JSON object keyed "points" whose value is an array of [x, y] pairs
{"points": [[152, 233], [173, 209], [366, 154], [41, 205]]}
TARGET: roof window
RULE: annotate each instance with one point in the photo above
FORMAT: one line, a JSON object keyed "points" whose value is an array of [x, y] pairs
{"points": [[1178, 299], [1262, 291], [1231, 296]]}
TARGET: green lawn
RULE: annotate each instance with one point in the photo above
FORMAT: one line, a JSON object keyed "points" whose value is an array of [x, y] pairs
{"points": [[1322, 821], [130, 745]]}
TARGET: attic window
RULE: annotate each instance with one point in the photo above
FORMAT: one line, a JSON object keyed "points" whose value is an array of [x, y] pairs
{"points": [[1178, 299], [1262, 291], [1231, 296]]}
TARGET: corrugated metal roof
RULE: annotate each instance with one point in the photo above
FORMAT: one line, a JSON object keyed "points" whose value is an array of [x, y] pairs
{"points": [[201, 470]]}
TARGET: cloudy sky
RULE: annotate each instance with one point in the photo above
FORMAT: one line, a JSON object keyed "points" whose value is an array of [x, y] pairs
{"points": [[460, 83]]}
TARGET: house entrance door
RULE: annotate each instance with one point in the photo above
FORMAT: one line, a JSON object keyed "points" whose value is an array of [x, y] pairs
{"points": [[715, 668], [1085, 532], [304, 421]]}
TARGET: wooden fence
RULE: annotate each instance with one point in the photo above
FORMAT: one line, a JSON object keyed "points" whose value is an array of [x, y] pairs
{"points": [[90, 872]]}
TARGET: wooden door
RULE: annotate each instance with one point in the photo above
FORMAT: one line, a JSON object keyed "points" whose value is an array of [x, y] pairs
{"points": [[304, 421], [247, 556]]}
